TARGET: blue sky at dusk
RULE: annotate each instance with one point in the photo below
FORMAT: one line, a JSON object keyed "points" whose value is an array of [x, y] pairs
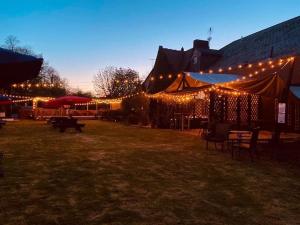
{"points": [[81, 36]]}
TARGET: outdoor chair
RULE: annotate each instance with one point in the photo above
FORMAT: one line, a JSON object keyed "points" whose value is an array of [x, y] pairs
{"points": [[217, 135], [246, 144]]}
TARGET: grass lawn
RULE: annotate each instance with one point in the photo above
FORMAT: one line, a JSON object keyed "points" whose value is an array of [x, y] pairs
{"points": [[114, 174]]}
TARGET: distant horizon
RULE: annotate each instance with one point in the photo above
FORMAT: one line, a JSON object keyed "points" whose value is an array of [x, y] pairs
{"points": [[80, 37]]}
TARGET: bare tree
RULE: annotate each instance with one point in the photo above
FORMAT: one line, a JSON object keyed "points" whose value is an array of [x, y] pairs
{"points": [[116, 82], [11, 42]]}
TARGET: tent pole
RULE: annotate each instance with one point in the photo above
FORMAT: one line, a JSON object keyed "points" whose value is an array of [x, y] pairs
{"points": [[283, 99]]}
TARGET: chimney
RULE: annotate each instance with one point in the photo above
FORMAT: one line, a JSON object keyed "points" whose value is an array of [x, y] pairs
{"points": [[201, 44]]}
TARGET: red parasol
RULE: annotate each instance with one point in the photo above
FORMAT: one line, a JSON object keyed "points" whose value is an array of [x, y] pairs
{"points": [[4, 100], [66, 100]]}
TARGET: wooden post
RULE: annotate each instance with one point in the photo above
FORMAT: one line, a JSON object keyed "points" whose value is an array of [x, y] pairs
{"points": [[249, 112], [212, 97]]}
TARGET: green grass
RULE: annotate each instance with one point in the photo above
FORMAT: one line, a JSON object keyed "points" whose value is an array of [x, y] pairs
{"points": [[114, 174]]}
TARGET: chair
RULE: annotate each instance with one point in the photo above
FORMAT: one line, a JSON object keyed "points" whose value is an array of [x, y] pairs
{"points": [[249, 145], [218, 134]]}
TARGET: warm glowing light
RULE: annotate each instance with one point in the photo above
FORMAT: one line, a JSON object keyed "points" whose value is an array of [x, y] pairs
{"points": [[256, 72], [240, 66], [170, 76], [152, 78], [220, 70], [210, 71], [263, 69], [270, 62], [161, 77], [229, 68], [250, 65], [250, 75], [260, 64], [243, 77]]}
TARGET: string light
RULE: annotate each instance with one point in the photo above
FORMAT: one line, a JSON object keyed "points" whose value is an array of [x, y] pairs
{"points": [[37, 85], [256, 66]]}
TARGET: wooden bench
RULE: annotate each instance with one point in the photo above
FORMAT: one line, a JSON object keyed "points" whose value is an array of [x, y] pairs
{"points": [[64, 123]]}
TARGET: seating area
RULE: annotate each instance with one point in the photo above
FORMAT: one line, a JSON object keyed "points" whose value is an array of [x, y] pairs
{"points": [[63, 123]]}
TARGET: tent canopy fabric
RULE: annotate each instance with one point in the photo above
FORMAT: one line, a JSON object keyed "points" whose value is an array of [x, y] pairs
{"points": [[268, 85], [196, 81], [66, 100], [16, 67]]}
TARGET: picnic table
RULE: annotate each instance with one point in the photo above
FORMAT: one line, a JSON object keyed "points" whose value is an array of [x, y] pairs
{"points": [[65, 122]]}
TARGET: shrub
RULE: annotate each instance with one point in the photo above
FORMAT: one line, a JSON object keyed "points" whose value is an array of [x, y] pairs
{"points": [[136, 109]]}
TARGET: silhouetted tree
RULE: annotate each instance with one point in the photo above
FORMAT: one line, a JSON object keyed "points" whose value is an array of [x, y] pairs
{"points": [[115, 82]]}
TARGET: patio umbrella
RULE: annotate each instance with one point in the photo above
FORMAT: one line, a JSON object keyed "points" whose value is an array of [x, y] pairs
{"points": [[4, 100], [16, 67], [66, 100]]}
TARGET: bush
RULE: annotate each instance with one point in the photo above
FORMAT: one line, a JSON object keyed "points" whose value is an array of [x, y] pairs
{"points": [[113, 115], [136, 109]]}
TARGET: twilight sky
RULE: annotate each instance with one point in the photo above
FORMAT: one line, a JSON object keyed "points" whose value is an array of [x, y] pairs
{"points": [[78, 37]]}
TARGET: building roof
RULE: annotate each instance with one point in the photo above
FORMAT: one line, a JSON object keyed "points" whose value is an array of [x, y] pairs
{"points": [[276, 41]]}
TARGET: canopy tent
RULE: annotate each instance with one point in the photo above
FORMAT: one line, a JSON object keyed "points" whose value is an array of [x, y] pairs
{"points": [[267, 85], [16, 67], [195, 81], [66, 100]]}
